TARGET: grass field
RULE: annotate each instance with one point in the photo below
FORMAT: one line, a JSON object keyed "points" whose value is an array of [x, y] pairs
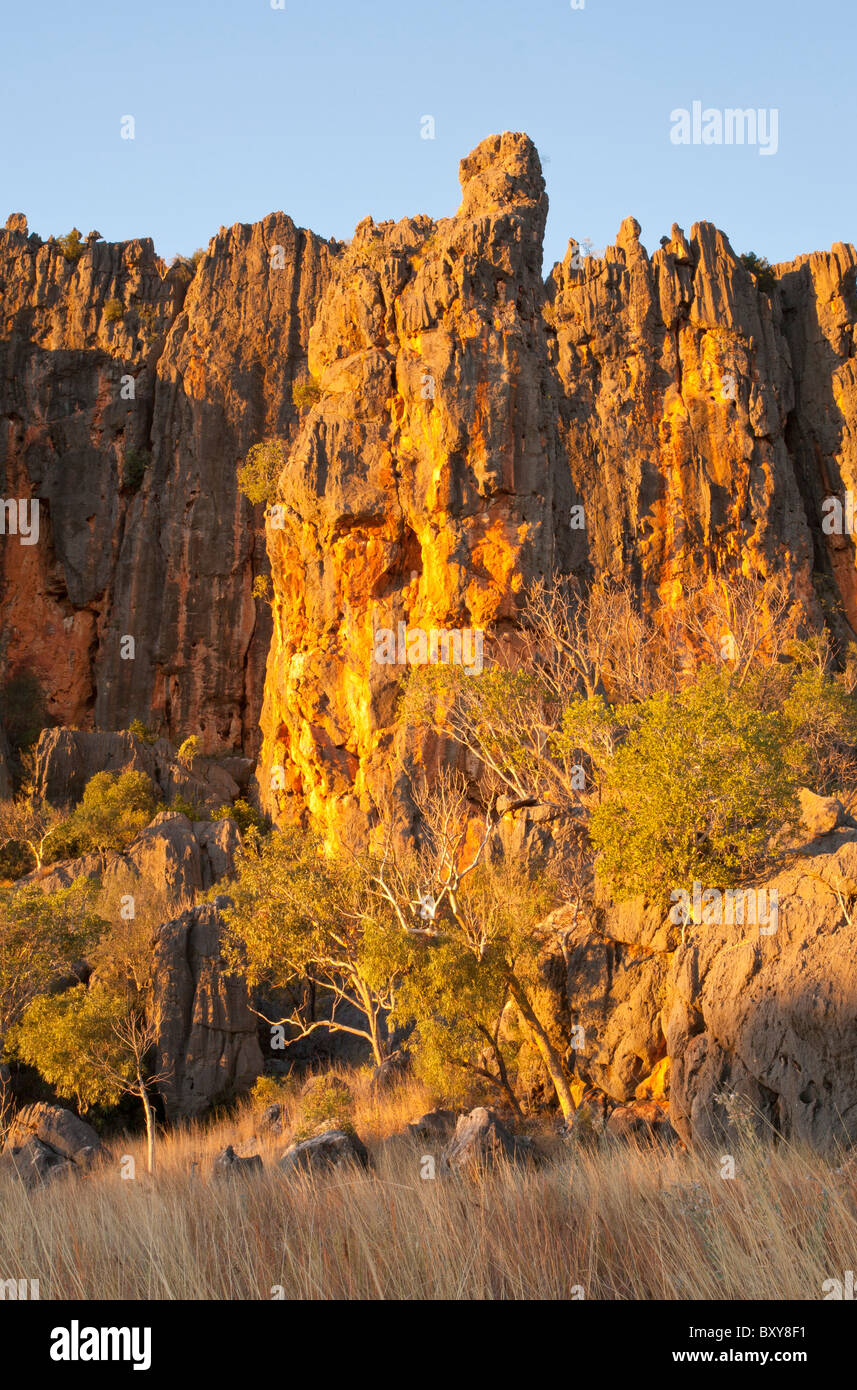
{"points": [[606, 1222]]}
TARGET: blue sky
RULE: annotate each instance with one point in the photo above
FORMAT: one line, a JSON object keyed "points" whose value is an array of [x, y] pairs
{"points": [[241, 109]]}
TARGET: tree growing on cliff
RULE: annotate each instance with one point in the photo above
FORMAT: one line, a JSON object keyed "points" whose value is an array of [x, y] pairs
{"points": [[303, 919], [258, 474], [31, 824], [698, 784], [114, 808]]}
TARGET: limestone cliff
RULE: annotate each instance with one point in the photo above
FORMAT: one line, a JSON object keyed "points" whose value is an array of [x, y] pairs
{"points": [[659, 417], [127, 400]]}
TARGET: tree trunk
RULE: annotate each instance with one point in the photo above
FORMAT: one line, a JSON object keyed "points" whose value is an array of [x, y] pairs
{"points": [[502, 1077], [545, 1048], [150, 1126]]}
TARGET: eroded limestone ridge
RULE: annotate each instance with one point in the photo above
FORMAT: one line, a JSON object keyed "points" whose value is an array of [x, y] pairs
{"points": [[656, 417], [127, 399], [471, 417]]}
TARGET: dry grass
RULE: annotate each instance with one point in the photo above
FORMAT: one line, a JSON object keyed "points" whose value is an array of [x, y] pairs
{"points": [[618, 1222]]}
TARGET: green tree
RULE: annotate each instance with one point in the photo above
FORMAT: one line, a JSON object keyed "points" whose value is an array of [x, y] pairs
{"points": [[114, 808], [761, 270], [72, 245], [306, 393], [302, 917], [696, 788], [476, 925], [92, 1044], [41, 935], [245, 816], [142, 732], [189, 751], [257, 476]]}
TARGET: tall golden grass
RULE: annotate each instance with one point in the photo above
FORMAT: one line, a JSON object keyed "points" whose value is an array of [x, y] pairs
{"points": [[613, 1222]]}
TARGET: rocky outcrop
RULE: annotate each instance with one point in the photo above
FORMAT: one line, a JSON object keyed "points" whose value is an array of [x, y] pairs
{"points": [[762, 1029], [229, 1164], [168, 864], [423, 485], [34, 1163], [655, 417], [479, 1141], [127, 399], [644, 1122], [658, 418], [207, 1045], [45, 1142], [66, 759], [749, 1022]]}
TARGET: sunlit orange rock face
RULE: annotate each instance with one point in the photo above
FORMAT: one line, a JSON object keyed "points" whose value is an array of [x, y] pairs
{"points": [[653, 417], [421, 489], [468, 411]]}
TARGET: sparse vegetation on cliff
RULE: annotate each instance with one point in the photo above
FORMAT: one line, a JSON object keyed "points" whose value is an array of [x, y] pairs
{"points": [[761, 270], [134, 465], [306, 393], [257, 476], [72, 245]]}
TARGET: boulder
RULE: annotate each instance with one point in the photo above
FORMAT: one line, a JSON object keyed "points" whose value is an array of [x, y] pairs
{"points": [[229, 1164], [58, 1129], [820, 814], [207, 1042], [481, 1140], [435, 1126], [389, 1074], [273, 1119], [322, 1152], [643, 1122], [35, 1163]]}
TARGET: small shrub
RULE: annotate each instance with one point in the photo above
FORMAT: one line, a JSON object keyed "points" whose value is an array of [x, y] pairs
{"points": [[134, 466], [72, 245], [189, 751], [184, 806], [114, 808], [114, 311], [142, 731], [147, 315], [326, 1103], [306, 393], [272, 1090], [244, 815], [761, 270], [257, 476]]}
